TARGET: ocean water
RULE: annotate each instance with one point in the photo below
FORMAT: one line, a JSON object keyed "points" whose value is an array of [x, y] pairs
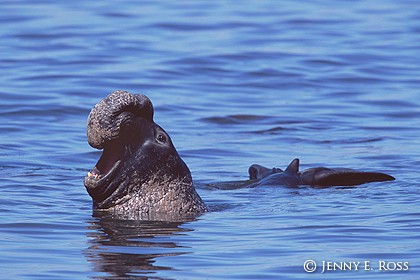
{"points": [[334, 83]]}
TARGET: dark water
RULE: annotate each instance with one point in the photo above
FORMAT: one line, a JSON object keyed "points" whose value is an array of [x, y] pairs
{"points": [[335, 83]]}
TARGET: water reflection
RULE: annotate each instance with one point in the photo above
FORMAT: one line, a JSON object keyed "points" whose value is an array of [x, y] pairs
{"points": [[122, 248]]}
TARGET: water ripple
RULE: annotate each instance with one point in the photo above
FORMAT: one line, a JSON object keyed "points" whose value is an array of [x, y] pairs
{"points": [[262, 82]]}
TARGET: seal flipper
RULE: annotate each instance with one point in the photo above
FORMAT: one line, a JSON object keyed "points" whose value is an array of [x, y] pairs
{"points": [[324, 177], [293, 167]]}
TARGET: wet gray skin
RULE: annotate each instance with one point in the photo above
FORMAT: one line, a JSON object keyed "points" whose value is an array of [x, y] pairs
{"points": [[140, 170], [141, 175]]}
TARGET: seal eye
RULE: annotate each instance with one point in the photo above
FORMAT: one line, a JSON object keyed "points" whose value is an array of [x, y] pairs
{"points": [[161, 138]]}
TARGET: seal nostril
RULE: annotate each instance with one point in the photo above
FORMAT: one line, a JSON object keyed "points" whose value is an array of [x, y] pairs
{"points": [[107, 115]]}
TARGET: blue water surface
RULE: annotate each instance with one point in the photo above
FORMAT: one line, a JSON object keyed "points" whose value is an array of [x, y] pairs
{"points": [[335, 83]]}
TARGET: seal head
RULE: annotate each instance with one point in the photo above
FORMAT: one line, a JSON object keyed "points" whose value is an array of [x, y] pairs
{"points": [[139, 170]]}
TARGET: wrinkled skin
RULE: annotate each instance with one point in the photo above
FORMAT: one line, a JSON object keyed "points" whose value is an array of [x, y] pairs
{"points": [[140, 170]]}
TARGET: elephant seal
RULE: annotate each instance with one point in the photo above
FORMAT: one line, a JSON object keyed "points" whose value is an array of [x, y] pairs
{"points": [[318, 176], [141, 173], [139, 170]]}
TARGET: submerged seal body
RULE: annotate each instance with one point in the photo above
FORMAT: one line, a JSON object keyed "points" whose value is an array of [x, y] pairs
{"points": [[139, 169], [140, 172], [318, 176]]}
